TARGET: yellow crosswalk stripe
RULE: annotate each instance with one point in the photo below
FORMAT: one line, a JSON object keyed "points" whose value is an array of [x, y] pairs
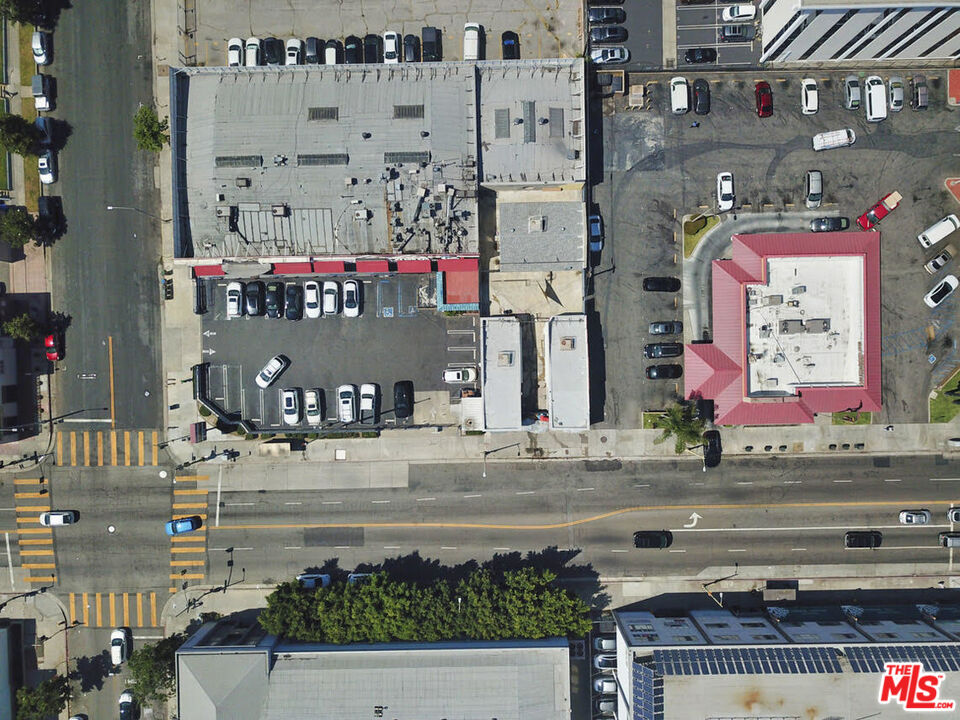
{"points": [[37, 541], [155, 445], [35, 531], [59, 448], [153, 609], [202, 516], [24, 495], [183, 506], [113, 610], [35, 552], [139, 610], [86, 610], [28, 519], [33, 508], [99, 616], [73, 447], [195, 537], [141, 460], [113, 447], [73, 609], [185, 550], [188, 576], [86, 447], [99, 448], [190, 492], [126, 448], [126, 610], [187, 478], [27, 481], [45, 579], [40, 566], [186, 563]]}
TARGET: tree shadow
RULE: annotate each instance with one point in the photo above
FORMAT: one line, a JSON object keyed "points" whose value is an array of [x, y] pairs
{"points": [[48, 13], [91, 671]]}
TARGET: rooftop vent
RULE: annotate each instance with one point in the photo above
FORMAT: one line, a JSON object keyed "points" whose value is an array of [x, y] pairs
{"points": [[407, 112], [323, 113], [568, 343]]}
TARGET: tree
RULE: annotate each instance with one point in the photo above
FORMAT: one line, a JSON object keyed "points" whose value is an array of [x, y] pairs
{"points": [[153, 669], [47, 699], [21, 327], [19, 135], [680, 422], [25, 12], [150, 131], [18, 227]]}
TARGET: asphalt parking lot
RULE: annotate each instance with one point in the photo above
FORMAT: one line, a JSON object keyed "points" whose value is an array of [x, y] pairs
{"points": [[327, 352], [698, 26], [546, 30], [658, 168]]}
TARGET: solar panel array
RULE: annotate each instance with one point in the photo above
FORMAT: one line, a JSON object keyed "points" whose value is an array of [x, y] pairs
{"points": [[935, 658], [747, 661], [647, 693]]}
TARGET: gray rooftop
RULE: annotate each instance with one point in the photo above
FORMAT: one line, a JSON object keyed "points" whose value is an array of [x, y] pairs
{"points": [[539, 235], [502, 365], [568, 373], [642, 628]]}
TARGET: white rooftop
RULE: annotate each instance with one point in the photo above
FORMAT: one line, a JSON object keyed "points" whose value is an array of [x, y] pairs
{"points": [[502, 372], [806, 325], [568, 373]]}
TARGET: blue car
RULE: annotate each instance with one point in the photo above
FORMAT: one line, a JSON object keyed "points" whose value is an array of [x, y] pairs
{"points": [[184, 525]]}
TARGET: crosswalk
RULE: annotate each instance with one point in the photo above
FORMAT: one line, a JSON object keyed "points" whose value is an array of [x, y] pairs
{"points": [[34, 541], [188, 553], [108, 447], [113, 609]]}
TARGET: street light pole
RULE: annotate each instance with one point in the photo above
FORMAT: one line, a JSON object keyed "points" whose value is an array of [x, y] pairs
{"points": [[136, 209]]}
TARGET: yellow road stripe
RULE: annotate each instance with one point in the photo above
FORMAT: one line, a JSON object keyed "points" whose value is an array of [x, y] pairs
{"points": [[113, 416], [86, 447], [73, 448], [126, 447], [35, 531], [27, 481], [35, 552], [113, 610], [99, 616], [73, 609], [30, 495], [196, 536], [202, 516], [177, 550], [139, 610], [29, 519], [190, 492], [33, 508], [99, 448], [37, 541], [186, 478], [189, 505], [113, 445], [155, 444], [185, 563], [188, 576], [153, 609], [126, 610], [40, 566], [59, 448], [86, 610], [173, 590], [45, 579], [140, 458]]}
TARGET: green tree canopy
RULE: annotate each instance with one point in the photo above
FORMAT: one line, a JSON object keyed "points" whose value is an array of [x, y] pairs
{"points": [[27, 12], [19, 135], [48, 699], [149, 131], [153, 669], [21, 327], [18, 227], [680, 422], [524, 603]]}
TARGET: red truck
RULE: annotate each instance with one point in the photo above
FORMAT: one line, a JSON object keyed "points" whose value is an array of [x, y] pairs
{"points": [[879, 211]]}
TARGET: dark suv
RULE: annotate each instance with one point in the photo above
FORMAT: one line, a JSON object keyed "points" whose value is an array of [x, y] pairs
{"points": [[372, 48], [431, 46], [664, 372], [712, 448], [274, 301], [863, 539], [695, 56], [294, 309], [273, 51], [666, 327], [663, 350], [661, 284], [606, 16], [352, 50], [652, 539]]}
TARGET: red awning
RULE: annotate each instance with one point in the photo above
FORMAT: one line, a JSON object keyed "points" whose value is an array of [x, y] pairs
{"points": [[328, 266], [414, 266], [373, 266], [458, 264], [207, 270], [292, 268]]}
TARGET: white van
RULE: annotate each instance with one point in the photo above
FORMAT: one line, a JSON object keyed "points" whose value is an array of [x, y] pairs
{"points": [[876, 99], [471, 41], [834, 139], [679, 95], [938, 231]]}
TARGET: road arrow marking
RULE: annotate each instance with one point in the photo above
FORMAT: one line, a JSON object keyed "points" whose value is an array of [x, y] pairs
{"points": [[208, 333], [693, 519], [210, 351]]}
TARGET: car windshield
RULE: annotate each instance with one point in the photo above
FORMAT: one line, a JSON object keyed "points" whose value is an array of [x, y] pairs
{"points": [[941, 292]]}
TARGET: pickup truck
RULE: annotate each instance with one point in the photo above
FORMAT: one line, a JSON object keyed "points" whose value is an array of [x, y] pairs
{"points": [[879, 211], [41, 90]]}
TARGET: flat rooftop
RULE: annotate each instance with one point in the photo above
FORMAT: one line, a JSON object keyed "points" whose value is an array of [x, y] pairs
{"points": [[568, 373], [541, 231], [502, 367], [806, 325]]}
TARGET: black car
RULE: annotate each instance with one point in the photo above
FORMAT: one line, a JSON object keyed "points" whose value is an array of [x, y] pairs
{"points": [[607, 34], [273, 51], [352, 50], [661, 284], [652, 539], [403, 399], [432, 44], [52, 221], [663, 350], [337, 50], [313, 51], [274, 300], [664, 372], [695, 56], [863, 539], [254, 298], [411, 48], [829, 224], [737, 33], [44, 125], [666, 327], [372, 48], [294, 309], [510, 45], [712, 448], [606, 16], [701, 97]]}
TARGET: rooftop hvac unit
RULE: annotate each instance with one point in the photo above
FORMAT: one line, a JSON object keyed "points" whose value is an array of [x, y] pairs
{"points": [[279, 210], [536, 223], [568, 343], [243, 182], [361, 215], [223, 211]]}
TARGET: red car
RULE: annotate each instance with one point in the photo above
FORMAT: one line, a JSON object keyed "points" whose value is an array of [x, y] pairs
{"points": [[764, 99], [52, 343], [879, 211]]}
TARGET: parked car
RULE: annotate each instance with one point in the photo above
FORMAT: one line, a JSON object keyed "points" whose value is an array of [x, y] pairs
{"points": [[274, 301], [915, 517], [701, 97], [294, 54], [661, 284], [273, 51], [851, 92], [938, 262], [311, 581], [290, 405], [41, 87], [696, 56], [272, 370], [606, 16], [737, 33], [605, 643], [403, 399], [356, 578], [809, 96], [472, 34], [311, 299], [605, 662], [896, 93], [119, 647], [941, 292], [919, 95], [726, 198], [369, 404], [234, 52], [180, 526], [294, 303], [352, 49], [347, 403], [595, 224], [679, 95], [652, 539], [880, 210], [666, 327], [331, 297], [664, 372], [253, 49], [47, 166], [605, 706], [351, 299], [313, 406], [411, 48], [953, 515], [712, 448], [432, 44], [610, 55], [372, 49], [458, 376], [663, 350], [313, 51], [813, 189], [608, 34], [510, 45], [738, 13], [862, 539], [126, 705], [254, 297], [391, 47], [53, 344], [764, 97], [940, 230], [40, 44], [234, 299], [55, 518], [605, 684], [829, 224], [45, 127], [333, 52]]}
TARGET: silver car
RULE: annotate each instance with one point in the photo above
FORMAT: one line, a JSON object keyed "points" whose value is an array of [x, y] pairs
{"points": [[915, 517], [851, 92], [347, 403], [896, 93]]}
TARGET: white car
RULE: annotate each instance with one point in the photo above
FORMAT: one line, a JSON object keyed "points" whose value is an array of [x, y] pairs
{"points": [[391, 47], [942, 291], [368, 404], [810, 96], [351, 298], [311, 299], [294, 51], [234, 299], [126, 705], [605, 685], [118, 646], [610, 55], [313, 580], [738, 13], [605, 644], [55, 518], [234, 52], [915, 517], [272, 370], [331, 298], [47, 165], [252, 55], [458, 376], [937, 263], [347, 403], [953, 515], [726, 198], [40, 43], [311, 403], [290, 404], [896, 93]]}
